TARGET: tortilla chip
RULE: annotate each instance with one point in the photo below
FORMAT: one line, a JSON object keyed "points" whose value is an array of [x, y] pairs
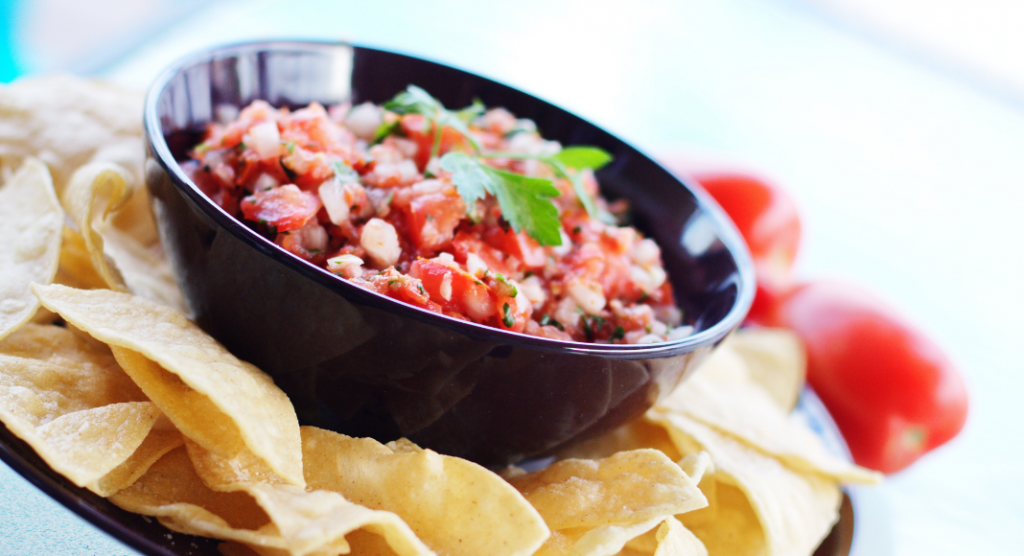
{"points": [[744, 410], [775, 360], [606, 540], [676, 540], [91, 187], [30, 223], [220, 473], [76, 269], [632, 436], [263, 516], [68, 399], [67, 122], [156, 444], [146, 271], [453, 505], [194, 414], [729, 525], [626, 488], [795, 511], [230, 395]]}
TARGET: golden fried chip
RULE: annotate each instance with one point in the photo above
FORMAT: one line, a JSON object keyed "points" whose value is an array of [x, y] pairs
{"points": [[68, 399], [76, 269], [145, 270], [453, 505], [263, 516], [193, 413], [156, 444], [795, 511], [676, 540], [728, 525], [605, 540], [67, 122], [220, 473], [744, 410], [96, 185], [626, 488], [230, 394], [30, 223], [635, 435], [775, 360]]}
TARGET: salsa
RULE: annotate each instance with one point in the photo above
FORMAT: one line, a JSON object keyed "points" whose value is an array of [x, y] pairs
{"points": [[467, 213]]}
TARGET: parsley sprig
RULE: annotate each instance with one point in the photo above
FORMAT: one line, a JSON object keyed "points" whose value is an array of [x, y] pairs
{"points": [[525, 202], [414, 100]]}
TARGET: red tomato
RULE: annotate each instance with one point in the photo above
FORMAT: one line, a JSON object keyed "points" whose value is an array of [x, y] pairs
{"points": [[286, 208], [519, 245], [414, 127], [765, 216], [892, 391]]}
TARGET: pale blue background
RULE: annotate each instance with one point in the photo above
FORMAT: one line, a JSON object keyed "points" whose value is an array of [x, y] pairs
{"points": [[909, 178]]}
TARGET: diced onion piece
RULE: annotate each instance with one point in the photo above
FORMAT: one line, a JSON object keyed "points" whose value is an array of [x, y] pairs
{"points": [[650, 339], [349, 266], [658, 327], [533, 290], [478, 303], [265, 139], [566, 247], [680, 332], [588, 295], [658, 276], [475, 265], [380, 240], [265, 182], [446, 286], [363, 120], [332, 194], [645, 253]]}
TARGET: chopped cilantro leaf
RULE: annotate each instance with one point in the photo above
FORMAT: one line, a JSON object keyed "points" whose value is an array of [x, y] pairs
{"points": [[344, 173], [619, 333], [508, 320]]}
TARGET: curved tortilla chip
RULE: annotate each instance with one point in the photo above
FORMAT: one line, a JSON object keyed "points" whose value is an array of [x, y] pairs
{"points": [[67, 122], [453, 505], [30, 223], [795, 511], [263, 516], [625, 488], [237, 394]]}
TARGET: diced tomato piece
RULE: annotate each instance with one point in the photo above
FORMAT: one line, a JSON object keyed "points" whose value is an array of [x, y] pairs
{"points": [[399, 286], [519, 245], [285, 208], [415, 128], [433, 218], [455, 290], [466, 243]]}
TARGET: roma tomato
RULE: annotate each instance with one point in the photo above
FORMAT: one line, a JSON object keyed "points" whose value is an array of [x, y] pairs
{"points": [[765, 216], [891, 390]]}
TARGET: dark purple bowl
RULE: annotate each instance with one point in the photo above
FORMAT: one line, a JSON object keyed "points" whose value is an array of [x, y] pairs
{"points": [[366, 365]]}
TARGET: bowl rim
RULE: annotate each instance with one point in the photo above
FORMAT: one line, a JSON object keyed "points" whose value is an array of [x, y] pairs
{"points": [[730, 237]]}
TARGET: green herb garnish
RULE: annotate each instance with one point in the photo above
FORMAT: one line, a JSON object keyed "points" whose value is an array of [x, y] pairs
{"points": [[414, 100], [619, 333], [344, 173], [508, 319], [524, 201], [546, 320]]}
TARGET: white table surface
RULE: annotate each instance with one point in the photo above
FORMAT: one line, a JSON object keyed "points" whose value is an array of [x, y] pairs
{"points": [[909, 181]]}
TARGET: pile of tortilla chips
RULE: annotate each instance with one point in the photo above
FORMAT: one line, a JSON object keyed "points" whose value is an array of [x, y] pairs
{"points": [[103, 374]]}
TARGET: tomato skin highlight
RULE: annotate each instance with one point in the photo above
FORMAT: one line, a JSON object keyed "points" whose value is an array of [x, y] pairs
{"points": [[767, 218], [892, 391], [286, 208]]}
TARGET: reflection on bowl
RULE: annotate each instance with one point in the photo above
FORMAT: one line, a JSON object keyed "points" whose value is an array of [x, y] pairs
{"points": [[366, 365]]}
